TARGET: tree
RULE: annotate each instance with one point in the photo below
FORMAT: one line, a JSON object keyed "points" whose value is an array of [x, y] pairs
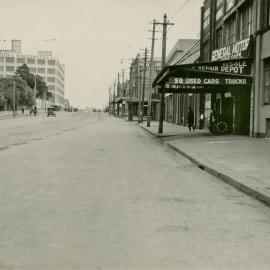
{"points": [[41, 87], [23, 93]]}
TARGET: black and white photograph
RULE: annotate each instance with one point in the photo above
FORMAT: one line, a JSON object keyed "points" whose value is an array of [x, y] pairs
{"points": [[135, 135]]}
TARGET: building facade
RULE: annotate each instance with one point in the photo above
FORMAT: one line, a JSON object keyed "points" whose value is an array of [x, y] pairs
{"points": [[227, 26], [185, 51], [44, 64], [140, 86]]}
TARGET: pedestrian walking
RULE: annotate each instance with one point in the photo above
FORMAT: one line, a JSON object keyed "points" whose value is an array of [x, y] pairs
{"points": [[190, 118], [35, 111], [22, 110]]}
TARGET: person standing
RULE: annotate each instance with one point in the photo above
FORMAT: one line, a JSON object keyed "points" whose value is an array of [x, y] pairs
{"points": [[190, 118]]}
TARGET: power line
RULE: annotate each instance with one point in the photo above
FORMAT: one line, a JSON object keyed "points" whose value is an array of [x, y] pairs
{"points": [[180, 9]]}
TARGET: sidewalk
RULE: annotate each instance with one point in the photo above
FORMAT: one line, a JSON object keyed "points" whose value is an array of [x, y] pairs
{"points": [[243, 162]]}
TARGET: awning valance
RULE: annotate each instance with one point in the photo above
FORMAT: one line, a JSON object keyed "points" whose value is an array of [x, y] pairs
{"points": [[204, 77]]}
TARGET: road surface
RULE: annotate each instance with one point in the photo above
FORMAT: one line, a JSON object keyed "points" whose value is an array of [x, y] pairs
{"points": [[88, 191]]}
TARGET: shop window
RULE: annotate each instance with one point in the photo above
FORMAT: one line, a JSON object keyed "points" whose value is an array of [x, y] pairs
{"points": [[229, 4], [246, 23], [230, 31], [219, 9], [266, 93], [219, 38]]}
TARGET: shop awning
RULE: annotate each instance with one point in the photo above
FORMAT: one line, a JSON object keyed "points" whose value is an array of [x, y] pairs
{"points": [[205, 77]]}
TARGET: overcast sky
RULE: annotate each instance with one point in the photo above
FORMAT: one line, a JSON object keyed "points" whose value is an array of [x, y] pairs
{"points": [[92, 36]]}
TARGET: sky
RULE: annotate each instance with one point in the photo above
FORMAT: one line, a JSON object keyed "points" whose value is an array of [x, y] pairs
{"points": [[95, 39]]}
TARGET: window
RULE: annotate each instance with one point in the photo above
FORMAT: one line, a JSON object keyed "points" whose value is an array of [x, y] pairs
{"points": [[51, 71], [51, 62], [30, 61], [51, 79], [10, 59], [206, 17], [246, 23], [230, 32], [1, 59], [219, 9], [41, 70], [41, 61], [229, 4], [266, 93], [10, 68], [32, 70], [1, 68], [219, 38], [206, 48], [21, 60], [51, 87]]}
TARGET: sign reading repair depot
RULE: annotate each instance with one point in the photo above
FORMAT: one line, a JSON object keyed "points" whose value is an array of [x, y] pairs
{"points": [[180, 81], [237, 50], [235, 67]]}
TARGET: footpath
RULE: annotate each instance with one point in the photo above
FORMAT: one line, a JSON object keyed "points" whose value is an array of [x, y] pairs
{"points": [[240, 161]]}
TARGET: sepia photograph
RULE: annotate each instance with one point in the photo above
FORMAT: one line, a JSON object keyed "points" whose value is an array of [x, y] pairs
{"points": [[135, 135]]}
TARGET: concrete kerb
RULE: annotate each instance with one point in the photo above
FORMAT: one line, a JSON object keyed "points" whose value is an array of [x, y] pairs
{"points": [[222, 176]]}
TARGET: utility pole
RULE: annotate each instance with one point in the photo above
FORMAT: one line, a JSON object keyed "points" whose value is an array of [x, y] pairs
{"points": [[118, 91], [14, 98], [149, 107], [123, 91], [163, 63], [139, 90], [144, 77]]}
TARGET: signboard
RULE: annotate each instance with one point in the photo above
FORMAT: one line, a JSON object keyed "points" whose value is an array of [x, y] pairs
{"points": [[179, 82], [237, 50], [235, 67]]}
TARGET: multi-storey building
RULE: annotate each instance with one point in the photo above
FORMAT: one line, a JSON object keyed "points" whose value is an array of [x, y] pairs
{"points": [[43, 64], [238, 25], [232, 75], [139, 81]]}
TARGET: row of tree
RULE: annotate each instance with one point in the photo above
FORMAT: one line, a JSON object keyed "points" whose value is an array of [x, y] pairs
{"points": [[24, 88]]}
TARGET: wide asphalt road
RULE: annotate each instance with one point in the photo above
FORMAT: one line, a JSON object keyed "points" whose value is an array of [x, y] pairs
{"points": [[88, 191]]}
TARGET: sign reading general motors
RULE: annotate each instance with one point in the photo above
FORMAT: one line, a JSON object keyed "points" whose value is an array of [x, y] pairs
{"points": [[236, 50]]}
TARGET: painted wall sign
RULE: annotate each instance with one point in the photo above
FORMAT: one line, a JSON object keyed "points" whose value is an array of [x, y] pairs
{"points": [[236, 67], [237, 50]]}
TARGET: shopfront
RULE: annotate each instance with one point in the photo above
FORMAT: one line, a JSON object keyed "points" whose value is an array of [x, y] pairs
{"points": [[228, 82]]}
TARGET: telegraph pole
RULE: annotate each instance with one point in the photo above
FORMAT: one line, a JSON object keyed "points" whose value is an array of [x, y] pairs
{"points": [[123, 91], [144, 77], [163, 63], [151, 75], [139, 90], [14, 98], [118, 91]]}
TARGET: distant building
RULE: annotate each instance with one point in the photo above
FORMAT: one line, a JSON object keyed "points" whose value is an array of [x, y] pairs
{"points": [[43, 64]]}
